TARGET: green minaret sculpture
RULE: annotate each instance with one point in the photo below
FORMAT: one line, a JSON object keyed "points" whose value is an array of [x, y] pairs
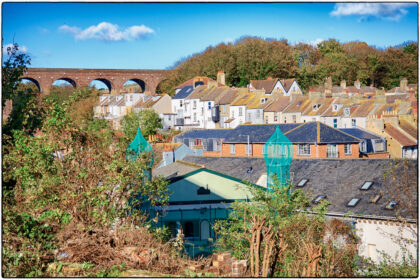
{"points": [[138, 147], [278, 154]]}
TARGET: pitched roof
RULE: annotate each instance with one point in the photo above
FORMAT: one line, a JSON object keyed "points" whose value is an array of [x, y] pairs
{"points": [[298, 105], [267, 85], [200, 91], [184, 92], [317, 132], [174, 169], [367, 89], [364, 109], [278, 105], [204, 133], [255, 103], [339, 179], [287, 83], [398, 136], [325, 104], [243, 100], [258, 133], [386, 108], [360, 133], [392, 98], [214, 94], [228, 96], [409, 129]]}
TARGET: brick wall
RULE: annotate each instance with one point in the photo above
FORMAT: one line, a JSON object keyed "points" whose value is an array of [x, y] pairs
{"points": [[317, 151]]}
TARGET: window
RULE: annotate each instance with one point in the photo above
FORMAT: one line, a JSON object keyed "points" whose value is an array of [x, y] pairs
{"points": [[347, 112], [275, 117], [232, 149], [304, 149], [249, 116], [263, 100], [240, 111], [347, 149], [366, 186], [379, 145], [314, 119], [353, 202], [249, 149], [191, 143], [285, 120], [194, 104], [319, 198], [180, 103], [131, 98], [332, 151], [266, 119], [362, 146], [204, 144], [169, 118], [302, 183], [258, 114], [294, 118], [391, 205], [335, 108], [224, 108], [209, 105], [202, 110], [335, 123], [353, 122], [315, 107], [195, 117]]}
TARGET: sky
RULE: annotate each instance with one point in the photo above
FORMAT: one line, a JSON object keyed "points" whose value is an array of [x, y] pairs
{"points": [[156, 35]]}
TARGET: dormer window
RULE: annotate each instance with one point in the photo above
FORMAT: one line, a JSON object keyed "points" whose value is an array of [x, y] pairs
{"points": [[336, 107], [347, 112], [263, 100], [315, 107]]}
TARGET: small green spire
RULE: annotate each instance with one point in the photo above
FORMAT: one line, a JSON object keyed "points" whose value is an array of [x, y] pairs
{"points": [[139, 146], [278, 154]]}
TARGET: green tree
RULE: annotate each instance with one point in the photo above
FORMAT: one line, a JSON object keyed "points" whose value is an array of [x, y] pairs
{"points": [[67, 181], [279, 237], [148, 121], [12, 69]]}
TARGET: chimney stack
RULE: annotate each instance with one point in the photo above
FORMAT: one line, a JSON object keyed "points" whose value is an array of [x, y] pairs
{"points": [[221, 77], [403, 84], [357, 84], [328, 83]]}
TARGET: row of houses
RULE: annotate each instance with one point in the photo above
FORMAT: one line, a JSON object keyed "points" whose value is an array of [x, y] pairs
{"points": [[381, 209]]}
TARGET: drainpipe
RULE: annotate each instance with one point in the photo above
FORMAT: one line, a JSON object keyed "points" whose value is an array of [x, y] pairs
{"points": [[248, 147]]}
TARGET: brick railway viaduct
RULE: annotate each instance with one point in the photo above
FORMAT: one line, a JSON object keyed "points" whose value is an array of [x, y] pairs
{"points": [[114, 79]]}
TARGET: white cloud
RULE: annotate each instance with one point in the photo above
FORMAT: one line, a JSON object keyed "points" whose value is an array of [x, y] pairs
{"points": [[315, 42], [21, 49], [106, 31], [389, 11]]}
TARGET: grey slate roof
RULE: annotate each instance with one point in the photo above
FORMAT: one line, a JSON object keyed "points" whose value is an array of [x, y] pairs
{"points": [[308, 133], [339, 179], [184, 92], [360, 133], [258, 133], [203, 134], [174, 169]]}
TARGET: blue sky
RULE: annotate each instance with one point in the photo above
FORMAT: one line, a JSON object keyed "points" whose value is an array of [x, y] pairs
{"points": [[156, 35]]}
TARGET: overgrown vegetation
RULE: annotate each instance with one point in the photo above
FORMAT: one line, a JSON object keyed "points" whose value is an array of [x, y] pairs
{"points": [[252, 58], [148, 121], [280, 239]]}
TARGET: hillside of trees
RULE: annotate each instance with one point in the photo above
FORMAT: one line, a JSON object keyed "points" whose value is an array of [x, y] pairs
{"points": [[252, 58]]}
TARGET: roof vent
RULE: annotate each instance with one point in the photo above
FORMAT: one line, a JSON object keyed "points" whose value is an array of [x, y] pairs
{"points": [[375, 198], [391, 205], [203, 191], [250, 170]]}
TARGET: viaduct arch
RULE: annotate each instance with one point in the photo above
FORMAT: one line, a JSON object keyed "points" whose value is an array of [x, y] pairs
{"points": [[113, 78]]}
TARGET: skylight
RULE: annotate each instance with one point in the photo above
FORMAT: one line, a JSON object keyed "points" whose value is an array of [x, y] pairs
{"points": [[353, 202], [319, 198], [366, 186], [391, 205], [302, 183], [389, 109]]}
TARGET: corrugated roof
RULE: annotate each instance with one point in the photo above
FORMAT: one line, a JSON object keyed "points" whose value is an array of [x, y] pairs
{"points": [[278, 105], [399, 136], [184, 92]]}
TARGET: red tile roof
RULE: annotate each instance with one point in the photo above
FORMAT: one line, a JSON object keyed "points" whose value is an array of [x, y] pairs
{"points": [[398, 136]]}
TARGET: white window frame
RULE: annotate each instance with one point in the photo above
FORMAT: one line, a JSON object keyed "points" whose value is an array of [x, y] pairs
{"points": [[348, 152], [232, 149], [240, 111], [332, 150], [303, 149]]}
